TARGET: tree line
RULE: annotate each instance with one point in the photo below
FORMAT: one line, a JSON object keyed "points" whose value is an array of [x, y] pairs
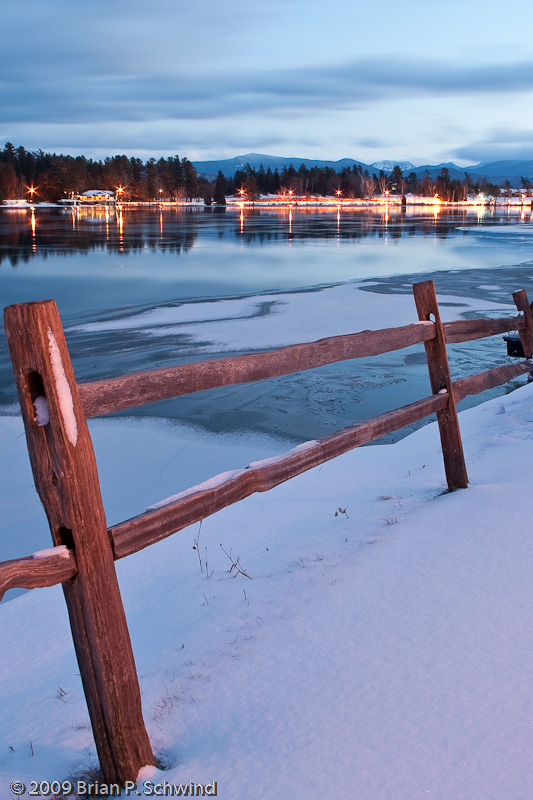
{"points": [[355, 182], [53, 177]]}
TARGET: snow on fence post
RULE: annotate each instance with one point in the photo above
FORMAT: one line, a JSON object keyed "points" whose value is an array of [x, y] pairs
{"points": [[439, 376], [526, 333], [66, 479]]}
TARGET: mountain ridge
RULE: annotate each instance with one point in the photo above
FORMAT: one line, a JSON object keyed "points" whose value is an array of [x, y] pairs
{"points": [[511, 170]]}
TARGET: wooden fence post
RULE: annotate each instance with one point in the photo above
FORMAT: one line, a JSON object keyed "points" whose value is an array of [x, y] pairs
{"points": [[526, 334], [439, 376], [66, 479]]}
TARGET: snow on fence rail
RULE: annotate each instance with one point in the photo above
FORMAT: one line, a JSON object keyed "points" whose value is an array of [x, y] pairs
{"points": [[54, 406]]}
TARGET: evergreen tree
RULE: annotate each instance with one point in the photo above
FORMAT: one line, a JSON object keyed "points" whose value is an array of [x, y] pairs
{"points": [[410, 182], [8, 181], [177, 177], [191, 179], [396, 180], [251, 183], [220, 190], [443, 184]]}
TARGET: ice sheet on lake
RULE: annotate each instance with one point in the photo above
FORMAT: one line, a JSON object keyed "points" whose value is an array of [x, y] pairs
{"points": [[282, 319], [512, 229]]}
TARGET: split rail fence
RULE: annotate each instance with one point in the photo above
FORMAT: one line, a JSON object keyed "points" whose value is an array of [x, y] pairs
{"points": [[66, 476]]}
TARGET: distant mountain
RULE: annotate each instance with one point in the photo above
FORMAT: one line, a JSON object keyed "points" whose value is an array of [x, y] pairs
{"points": [[229, 166], [496, 171], [388, 166], [501, 171], [500, 167], [455, 172]]}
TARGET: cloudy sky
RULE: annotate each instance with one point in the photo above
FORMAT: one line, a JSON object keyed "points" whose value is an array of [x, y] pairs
{"points": [[417, 80]]}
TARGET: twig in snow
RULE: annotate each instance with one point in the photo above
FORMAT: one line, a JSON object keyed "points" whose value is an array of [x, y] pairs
{"points": [[235, 565], [341, 511], [196, 546]]}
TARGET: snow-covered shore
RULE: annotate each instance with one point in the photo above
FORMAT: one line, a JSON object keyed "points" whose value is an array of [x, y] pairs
{"points": [[379, 649]]}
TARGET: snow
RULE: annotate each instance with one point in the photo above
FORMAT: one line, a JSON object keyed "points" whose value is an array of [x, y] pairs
{"points": [[211, 483], [285, 318], [60, 550], [63, 390], [381, 649], [266, 462], [42, 416], [225, 477], [145, 772], [381, 654]]}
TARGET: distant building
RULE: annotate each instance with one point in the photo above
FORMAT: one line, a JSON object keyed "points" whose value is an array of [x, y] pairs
{"points": [[97, 196], [94, 197]]}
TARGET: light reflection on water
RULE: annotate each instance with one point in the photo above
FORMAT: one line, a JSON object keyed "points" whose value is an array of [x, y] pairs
{"points": [[100, 259], [103, 264]]}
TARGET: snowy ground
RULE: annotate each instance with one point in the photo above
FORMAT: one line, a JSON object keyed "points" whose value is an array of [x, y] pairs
{"points": [[379, 648], [378, 652]]}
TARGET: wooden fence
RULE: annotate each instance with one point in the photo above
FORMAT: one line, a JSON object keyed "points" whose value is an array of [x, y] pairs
{"points": [[66, 475]]}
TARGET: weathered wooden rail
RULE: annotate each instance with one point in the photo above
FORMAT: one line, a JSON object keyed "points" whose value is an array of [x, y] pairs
{"points": [[66, 475]]}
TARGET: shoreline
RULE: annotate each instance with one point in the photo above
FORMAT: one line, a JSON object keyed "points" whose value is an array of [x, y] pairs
{"points": [[282, 202]]}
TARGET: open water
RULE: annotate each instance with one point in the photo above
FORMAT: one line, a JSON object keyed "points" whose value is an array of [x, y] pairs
{"points": [[106, 265]]}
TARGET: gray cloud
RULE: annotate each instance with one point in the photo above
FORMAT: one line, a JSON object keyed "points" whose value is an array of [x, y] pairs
{"points": [[370, 142], [120, 37], [83, 95], [106, 139], [500, 144]]}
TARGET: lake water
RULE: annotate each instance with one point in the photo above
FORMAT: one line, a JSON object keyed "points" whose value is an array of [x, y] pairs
{"points": [[106, 266], [148, 288]]}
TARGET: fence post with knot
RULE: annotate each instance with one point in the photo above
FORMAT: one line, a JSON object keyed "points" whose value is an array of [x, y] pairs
{"points": [[66, 478]]}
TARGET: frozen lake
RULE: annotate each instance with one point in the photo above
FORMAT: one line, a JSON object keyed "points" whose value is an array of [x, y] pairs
{"points": [[147, 289], [94, 264], [106, 270]]}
